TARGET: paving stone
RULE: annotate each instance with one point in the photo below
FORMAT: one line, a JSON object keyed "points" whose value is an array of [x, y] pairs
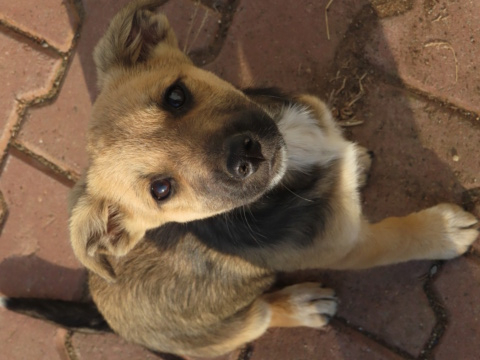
{"points": [[414, 142], [285, 46], [434, 47], [113, 347], [234, 355], [34, 244], [457, 286], [53, 20], [108, 347], [26, 338], [388, 302], [329, 343], [195, 25], [56, 131], [26, 71]]}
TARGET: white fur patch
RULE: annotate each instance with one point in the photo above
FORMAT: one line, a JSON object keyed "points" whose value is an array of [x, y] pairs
{"points": [[307, 144], [283, 169]]}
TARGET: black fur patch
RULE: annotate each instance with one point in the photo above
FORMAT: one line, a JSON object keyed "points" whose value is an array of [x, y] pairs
{"points": [[284, 214], [78, 316], [288, 213]]}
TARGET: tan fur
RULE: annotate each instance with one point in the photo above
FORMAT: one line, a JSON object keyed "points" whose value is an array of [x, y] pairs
{"points": [[306, 304], [198, 299]]}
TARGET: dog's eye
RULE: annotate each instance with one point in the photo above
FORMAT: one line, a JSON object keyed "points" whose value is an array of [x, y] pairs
{"points": [[175, 96], [160, 189]]}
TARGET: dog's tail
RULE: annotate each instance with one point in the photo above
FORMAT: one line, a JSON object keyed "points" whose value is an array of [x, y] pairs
{"points": [[71, 315]]}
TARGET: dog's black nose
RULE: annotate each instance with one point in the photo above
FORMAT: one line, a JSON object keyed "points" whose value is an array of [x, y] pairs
{"points": [[244, 156]]}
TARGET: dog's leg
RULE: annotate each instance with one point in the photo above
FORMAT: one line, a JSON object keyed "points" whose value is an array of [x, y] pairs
{"points": [[305, 304], [330, 127], [440, 232]]}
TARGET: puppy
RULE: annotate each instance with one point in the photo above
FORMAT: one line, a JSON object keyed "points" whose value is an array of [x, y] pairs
{"points": [[197, 194]]}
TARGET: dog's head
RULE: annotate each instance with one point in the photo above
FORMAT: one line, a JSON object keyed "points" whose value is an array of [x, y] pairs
{"points": [[168, 142]]}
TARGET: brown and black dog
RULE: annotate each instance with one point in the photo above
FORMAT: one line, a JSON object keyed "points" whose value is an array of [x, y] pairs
{"points": [[197, 194]]}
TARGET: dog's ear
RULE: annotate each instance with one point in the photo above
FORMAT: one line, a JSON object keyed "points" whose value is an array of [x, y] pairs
{"points": [[99, 232], [135, 35]]}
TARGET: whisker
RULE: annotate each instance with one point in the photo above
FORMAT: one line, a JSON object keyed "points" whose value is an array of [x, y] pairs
{"points": [[251, 232], [300, 197], [205, 17]]}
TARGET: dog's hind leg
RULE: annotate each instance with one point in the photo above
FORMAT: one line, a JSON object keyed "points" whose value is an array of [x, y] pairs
{"points": [[440, 232], [305, 304]]}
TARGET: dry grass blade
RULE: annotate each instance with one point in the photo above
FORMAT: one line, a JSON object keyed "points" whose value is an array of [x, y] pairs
{"points": [[352, 122], [361, 92], [339, 90], [326, 18], [445, 45], [202, 24]]}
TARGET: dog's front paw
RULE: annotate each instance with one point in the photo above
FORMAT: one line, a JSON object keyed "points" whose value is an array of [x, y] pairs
{"points": [[364, 162], [309, 304], [453, 227]]}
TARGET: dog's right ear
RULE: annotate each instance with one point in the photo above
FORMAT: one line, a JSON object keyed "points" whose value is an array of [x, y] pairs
{"points": [[135, 35]]}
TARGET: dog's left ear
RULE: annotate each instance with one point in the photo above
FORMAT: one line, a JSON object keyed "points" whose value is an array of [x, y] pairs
{"points": [[135, 35]]}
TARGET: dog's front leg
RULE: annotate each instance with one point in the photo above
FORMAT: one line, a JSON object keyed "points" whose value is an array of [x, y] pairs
{"points": [[440, 232]]}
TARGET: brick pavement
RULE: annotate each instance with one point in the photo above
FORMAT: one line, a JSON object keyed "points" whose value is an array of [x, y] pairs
{"points": [[406, 70]]}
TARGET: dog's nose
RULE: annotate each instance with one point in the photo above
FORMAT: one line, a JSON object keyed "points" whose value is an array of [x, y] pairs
{"points": [[244, 156]]}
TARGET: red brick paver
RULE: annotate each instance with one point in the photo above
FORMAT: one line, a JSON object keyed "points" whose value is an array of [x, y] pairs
{"points": [[406, 69], [107, 347], [368, 297], [34, 248], [286, 46], [333, 344], [461, 303], [27, 70], [25, 338], [435, 48], [195, 25], [53, 21]]}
